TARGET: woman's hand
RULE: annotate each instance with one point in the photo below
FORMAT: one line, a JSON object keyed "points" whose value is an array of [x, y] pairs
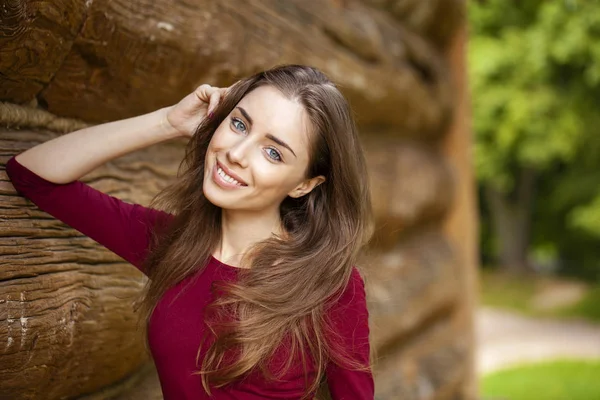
{"points": [[186, 115]]}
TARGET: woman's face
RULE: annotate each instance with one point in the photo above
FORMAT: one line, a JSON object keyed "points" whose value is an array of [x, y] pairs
{"points": [[259, 154]]}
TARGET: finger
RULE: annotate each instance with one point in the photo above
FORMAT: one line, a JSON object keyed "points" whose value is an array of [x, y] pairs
{"points": [[203, 92], [215, 97]]}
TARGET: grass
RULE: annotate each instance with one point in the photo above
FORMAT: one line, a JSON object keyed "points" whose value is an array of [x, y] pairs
{"points": [[516, 293], [588, 307], [555, 380], [507, 291]]}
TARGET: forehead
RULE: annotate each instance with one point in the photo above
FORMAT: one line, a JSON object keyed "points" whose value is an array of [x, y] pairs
{"points": [[273, 113]]}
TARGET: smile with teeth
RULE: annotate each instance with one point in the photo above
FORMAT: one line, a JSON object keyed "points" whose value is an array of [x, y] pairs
{"points": [[228, 178]]}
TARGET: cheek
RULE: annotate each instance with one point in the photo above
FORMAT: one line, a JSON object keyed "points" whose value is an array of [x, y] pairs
{"points": [[219, 139], [216, 145], [277, 179], [219, 143]]}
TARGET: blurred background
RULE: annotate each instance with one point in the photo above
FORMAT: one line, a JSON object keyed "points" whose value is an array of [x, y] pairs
{"points": [[479, 123], [534, 69]]}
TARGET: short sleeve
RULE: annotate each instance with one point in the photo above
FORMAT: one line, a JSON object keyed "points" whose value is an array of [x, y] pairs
{"points": [[350, 320], [121, 227]]}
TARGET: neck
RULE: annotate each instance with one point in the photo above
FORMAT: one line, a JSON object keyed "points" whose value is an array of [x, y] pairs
{"points": [[241, 230]]}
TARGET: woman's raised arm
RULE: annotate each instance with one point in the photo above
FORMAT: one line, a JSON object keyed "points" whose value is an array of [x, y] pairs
{"points": [[69, 157], [48, 174]]}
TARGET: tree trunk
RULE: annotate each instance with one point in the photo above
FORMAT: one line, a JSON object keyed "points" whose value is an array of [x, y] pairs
{"points": [[511, 222]]}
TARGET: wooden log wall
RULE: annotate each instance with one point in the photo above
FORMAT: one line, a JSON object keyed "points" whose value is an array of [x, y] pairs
{"points": [[67, 328]]}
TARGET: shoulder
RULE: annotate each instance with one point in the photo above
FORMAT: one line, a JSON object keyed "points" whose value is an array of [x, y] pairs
{"points": [[354, 295], [356, 285], [347, 315]]}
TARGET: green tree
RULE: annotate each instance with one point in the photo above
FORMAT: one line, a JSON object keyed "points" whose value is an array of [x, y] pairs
{"points": [[568, 206], [535, 75]]}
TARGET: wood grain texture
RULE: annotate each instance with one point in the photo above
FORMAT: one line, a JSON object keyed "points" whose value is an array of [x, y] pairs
{"points": [[411, 185], [35, 38], [409, 286], [432, 365], [143, 384], [67, 325], [462, 223], [124, 58], [435, 20]]}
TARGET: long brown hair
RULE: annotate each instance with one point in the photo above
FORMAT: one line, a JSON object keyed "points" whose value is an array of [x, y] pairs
{"points": [[282, 297]]}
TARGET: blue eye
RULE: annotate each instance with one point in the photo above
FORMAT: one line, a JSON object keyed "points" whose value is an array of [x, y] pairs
{"points": [[274, 154], [240, 123]]}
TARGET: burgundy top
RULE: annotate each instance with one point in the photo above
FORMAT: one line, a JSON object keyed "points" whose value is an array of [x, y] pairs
{"points": [[175, 330]]}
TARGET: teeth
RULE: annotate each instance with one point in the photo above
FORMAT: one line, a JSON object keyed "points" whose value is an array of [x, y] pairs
{"points": [[226, 177]]}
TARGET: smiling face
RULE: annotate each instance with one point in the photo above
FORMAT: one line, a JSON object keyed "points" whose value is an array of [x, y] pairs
{"points": [[259, 154]]}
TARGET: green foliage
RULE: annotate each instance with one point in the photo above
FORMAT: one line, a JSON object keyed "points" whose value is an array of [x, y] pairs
{"points": [[555, 380], [535, 77], [587, 217], [530, 66]]}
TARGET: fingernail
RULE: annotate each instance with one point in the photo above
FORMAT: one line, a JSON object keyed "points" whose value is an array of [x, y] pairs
{"points": [[211, 114]]}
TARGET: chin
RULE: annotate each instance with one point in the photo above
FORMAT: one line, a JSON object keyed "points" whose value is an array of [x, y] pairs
{"points": [[219, 198], [213, 196]]}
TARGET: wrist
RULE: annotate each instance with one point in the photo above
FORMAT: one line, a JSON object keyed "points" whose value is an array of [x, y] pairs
{"points": [[167, 130]]}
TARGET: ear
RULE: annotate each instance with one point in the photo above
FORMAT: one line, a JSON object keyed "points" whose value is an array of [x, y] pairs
{"points": [[306, 186]]}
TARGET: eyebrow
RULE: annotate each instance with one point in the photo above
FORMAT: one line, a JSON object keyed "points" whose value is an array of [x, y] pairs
{"points": [[269, 136]]}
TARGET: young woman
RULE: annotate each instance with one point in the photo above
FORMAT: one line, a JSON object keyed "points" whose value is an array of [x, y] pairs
{"points": [[253, 292]]}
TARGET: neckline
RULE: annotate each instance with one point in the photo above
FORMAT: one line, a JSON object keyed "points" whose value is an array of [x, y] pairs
{"points": [[214, 259]]}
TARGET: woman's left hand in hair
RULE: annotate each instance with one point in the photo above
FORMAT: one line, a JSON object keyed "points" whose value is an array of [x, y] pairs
{"points": [[186, 115]]}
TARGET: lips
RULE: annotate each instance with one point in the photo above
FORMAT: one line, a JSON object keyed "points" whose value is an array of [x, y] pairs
{"points": [[231, 174]]}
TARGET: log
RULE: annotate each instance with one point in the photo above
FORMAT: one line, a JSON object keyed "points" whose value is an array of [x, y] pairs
{"points": [[124, 58], [143, 384], [35, 38], [411, 185], [436, 20], [461, 226], [67, 301], [431, 366], [409, 286]]}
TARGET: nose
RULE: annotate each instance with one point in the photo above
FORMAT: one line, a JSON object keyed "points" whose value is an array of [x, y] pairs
{"points": [[238, 153]]}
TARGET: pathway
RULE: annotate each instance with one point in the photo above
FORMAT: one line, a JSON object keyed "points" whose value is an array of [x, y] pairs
{"points": [[506, 338]]}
